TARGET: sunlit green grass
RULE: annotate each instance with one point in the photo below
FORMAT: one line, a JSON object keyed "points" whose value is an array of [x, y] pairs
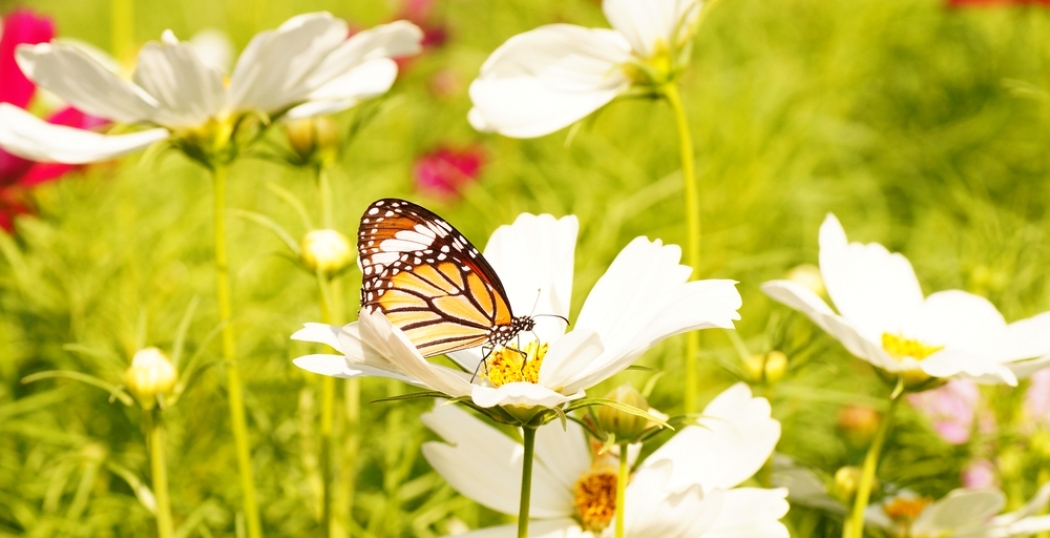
{"points": [[901, 116]]}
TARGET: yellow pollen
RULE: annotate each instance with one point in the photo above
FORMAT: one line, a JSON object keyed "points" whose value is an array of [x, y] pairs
{"points": [[900, 347], [905, 510], [596, 499], [509, 365]]}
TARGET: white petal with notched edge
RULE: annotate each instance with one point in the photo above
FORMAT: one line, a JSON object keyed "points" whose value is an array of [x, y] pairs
{"points": [[29, 137], [366, 81], [187, 91], [548, 78], [84, 82]]}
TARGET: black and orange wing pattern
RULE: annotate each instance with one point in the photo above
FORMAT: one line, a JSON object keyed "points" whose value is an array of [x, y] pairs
{"points": [[430, 281]]}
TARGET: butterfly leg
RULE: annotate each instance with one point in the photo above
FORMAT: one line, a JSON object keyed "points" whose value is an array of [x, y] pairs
{"points": [[487, 351]]}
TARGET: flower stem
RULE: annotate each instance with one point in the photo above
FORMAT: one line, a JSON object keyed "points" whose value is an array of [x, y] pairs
{"points": [[529, 440], [692, 224], [159, 472], [854, 527], [229, 354], [324, 196], [122, 29], [621, 491]]}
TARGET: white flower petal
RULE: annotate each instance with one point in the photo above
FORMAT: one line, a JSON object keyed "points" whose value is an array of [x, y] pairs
{"points": [[653, 509], [485, 465], [399, 38], [548, 528], [272, 72], [1034, 505], [319, 333], [563, 452], [519, 395], [339, 366], [32, 138], [952, 362], [1025, 339], [84, 83], [534, 258], [368, 80], [389, 342], [651, 25], [960, 509], [568, 358], [1027, 526], [874, 289], [736, 431], [545, 79], [957, 319], [214, 49], [749, 513], [187, 91]]}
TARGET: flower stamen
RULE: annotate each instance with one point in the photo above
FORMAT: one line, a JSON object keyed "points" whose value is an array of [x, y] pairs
{"points": [[596, 499], [902, 510], [900, 347], [511, 365]]}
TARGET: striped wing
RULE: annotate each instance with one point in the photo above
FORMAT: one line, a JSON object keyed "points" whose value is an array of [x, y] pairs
{"points": [[428, 279]]}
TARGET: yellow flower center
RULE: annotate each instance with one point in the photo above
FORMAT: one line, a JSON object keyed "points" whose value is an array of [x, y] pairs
{"points": [[900, 347], [596, 499], [511, 365], [906, 510]]}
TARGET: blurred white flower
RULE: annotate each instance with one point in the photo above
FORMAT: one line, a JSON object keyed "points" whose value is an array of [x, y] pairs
{"points": [[643, 298], [969, 513], [305, 67], [545, 79], [686, 489], [884, 318]]}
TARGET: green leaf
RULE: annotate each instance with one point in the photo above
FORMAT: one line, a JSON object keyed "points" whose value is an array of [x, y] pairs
{"points": [[267, 222], [113, 390], [180, 332], [292, 201], [412, 396]]}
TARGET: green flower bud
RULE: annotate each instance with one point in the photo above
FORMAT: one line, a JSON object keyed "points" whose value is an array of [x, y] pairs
{"points": [[625, 426], [150, 374], [847, 480], [314, 140], [326, 250], [769, 367]]}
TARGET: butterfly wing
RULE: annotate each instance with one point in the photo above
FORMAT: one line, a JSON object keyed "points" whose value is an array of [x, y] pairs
{"points": [[428, 279]]}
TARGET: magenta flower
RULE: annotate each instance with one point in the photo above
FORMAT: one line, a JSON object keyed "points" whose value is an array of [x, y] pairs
{"points": [[445, 172], [17, 174], [980, 474], [951, 408]]}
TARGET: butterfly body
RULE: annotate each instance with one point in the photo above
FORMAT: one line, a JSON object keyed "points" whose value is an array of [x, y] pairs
{"points": [[431, 282]]}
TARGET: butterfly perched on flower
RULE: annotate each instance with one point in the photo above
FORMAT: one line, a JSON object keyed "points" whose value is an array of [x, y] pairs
{"points": [[431, 282]]}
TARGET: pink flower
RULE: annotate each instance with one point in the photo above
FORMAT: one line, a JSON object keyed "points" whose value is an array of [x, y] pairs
{"points": [[1037, 399], [435, 32], [445, 172], [980, 474], [951, 408], [17, 174]]}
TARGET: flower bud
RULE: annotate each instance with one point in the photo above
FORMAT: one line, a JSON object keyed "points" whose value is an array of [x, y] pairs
{"points": [[809, 276], [326, 250], [625, 426], [150, 374], [314, 140], [847, 480], [769, 367], [859, 423]]}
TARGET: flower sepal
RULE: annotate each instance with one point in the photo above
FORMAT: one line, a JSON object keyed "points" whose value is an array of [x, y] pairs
{"points": [[913, 380]]}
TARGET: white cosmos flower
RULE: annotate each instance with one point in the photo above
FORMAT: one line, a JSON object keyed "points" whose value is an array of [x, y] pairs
{"points": [[644, 297], [884, 319], [548, 78], [963, 513], [686, 489], [305, 67]]}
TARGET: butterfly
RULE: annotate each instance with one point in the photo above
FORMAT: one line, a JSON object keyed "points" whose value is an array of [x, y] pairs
{"points": [[431, 282]]}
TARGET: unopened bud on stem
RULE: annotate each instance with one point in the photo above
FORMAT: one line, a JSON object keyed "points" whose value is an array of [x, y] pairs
{"points": [[150, 374], [769, 367], [314, 140], [326, 250], [625, 426]]}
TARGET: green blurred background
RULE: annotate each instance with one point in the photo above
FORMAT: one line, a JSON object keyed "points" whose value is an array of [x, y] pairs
{"points": [[922, 126]]}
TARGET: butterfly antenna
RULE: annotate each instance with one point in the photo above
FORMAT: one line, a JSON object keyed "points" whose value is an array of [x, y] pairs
{"points": [[535, 303], [563, 318]]}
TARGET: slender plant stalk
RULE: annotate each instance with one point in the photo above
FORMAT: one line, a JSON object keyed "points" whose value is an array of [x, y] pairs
{"points": [[159, 472], [692, 224], [854, 527], [352, 403], [122, 29], [621, 491], [229, 353], [529, 440]]}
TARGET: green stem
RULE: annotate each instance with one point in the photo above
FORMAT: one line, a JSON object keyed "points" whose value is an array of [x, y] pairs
{"points": [[159, 472], [324, 196], [692, 224], [229, 354], [621, 491], [854, 527], [529, 440]]}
